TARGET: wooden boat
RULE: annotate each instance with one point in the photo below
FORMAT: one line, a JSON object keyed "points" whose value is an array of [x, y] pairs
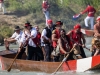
{"points": [[87, 32], [80, 65]]}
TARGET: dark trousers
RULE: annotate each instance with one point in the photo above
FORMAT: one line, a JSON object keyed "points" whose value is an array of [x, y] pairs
{"points": [[21, 53], [56, 58], [82, 52], [33, 52], [38, 55], [48, 50]]}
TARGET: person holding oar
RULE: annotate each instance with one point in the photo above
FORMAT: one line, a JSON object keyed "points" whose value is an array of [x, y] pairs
{"points": [[16, 36], [29, 37], [64, 45], [55, 37], [78, 38], [95, 48]]}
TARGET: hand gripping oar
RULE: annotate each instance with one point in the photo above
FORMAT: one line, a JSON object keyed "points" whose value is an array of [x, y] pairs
{"points": [[14, 60], [65, 58]]}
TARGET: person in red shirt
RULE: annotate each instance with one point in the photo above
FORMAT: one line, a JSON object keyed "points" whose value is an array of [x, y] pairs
{"points": [[78, 38], [55, 37], [45, 8], [39, 50], [96, 39], [90, 17], [2, 6]]}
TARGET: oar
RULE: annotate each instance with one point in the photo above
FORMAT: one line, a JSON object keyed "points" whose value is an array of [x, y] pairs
{"points": [[15, 58], [85, 47], [12, 63], [63, 61]]}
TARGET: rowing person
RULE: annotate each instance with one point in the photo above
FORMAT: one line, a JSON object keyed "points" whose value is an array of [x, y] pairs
{"points": [[55, 37], [46, 41], [64, 45], [38, 37], [78, 38], [14, 38], [29, 39], [96, 38]]}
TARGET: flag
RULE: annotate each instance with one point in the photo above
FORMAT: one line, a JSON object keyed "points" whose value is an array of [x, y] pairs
{"points": [[75, 17]]}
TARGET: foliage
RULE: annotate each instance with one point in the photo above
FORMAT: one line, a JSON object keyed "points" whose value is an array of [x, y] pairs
{"points": [[5, 31], [59, 10]]}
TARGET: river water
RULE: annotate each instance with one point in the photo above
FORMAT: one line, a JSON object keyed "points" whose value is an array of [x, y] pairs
{"points": [[17, 72]]}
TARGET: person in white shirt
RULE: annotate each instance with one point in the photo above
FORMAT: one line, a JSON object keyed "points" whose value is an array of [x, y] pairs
{"points": [[29, 39], [46, 41], [14, 38]]}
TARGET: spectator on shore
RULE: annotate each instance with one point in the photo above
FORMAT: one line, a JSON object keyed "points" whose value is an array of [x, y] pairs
{"points": [[2, 6], [90, 17], [45, 9]]}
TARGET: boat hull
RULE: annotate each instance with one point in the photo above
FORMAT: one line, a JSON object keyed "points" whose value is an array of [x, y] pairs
{"points": [[79, 65]]}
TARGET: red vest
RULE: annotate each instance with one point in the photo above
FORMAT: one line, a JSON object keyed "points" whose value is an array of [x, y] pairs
{"points": [[37, 39], [76, 37], [57, 32]]}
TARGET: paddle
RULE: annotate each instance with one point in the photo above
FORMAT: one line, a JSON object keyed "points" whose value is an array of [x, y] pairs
{"points": [[12, 63], [63, 61], [15, 58]]}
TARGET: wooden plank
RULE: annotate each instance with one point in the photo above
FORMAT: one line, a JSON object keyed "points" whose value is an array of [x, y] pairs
{"points": [[87, 32]]}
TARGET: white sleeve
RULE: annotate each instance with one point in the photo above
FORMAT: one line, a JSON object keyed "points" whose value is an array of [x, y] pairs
{"points": [[34, 33], [14, 35], [44, 34], [23, 38]]}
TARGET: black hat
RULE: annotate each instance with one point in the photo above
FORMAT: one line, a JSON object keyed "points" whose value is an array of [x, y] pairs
{"points": [[27, 24], [17, 28]]}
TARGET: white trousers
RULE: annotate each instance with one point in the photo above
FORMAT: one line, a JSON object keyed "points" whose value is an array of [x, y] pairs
{"points": [[87, 19], [2, 8], [47, 16]]}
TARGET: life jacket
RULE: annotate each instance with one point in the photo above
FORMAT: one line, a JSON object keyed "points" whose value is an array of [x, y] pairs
{"points": [[76, 37], [57, 32]]}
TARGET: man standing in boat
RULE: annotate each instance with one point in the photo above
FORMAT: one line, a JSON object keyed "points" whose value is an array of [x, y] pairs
{"points": [[55, 37], [45, 9], [29, 39], [78, 38], [90, 17], [38, 37], [2, 6], [46, 41], [14, 38], [96, 40]]}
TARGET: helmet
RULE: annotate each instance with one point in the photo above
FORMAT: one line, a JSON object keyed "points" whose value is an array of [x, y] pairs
{"points": [[77, 26], [49, 21]]}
